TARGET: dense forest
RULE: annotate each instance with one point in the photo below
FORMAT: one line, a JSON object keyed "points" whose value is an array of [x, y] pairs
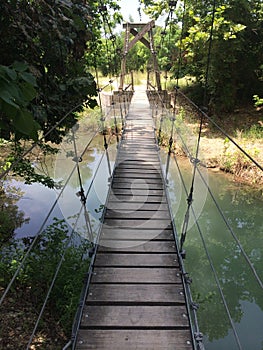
{"points": [[48, 53], [51, 52]]}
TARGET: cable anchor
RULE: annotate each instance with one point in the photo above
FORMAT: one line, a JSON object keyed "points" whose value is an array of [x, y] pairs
{"points": [[198, 336], [77, 159], [82, 196], [194, 305], [195, 161], [187, 278]]}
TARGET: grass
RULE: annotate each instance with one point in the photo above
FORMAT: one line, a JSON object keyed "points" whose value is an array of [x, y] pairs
{"points": [[244, 125]]}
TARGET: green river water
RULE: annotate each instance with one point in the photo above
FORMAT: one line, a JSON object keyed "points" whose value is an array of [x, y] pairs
{"points": [[242, 207]]}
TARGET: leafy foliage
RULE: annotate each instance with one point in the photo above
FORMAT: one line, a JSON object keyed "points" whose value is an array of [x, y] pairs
{"points": [[10, 215], [51, 40], [258, 101], [24, 167], [45, 54], [44, 258], [232, 73], [17, 90]]}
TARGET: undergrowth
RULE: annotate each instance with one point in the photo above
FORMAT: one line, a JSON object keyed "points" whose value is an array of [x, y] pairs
{"points": [[33, 282]]}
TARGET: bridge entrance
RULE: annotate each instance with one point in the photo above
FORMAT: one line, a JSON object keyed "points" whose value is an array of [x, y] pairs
{"points": [[139, 31]]}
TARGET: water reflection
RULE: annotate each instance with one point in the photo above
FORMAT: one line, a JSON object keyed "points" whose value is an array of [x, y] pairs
{"points": [[243, 209], [38, 199], [95, 164]]}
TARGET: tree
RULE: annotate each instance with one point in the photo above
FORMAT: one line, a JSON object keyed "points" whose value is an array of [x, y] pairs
{"points": [[232, 56], [10, 216], [44, 72]]}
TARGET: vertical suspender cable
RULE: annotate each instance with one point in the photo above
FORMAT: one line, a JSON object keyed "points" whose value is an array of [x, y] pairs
{"points": [[180, 47], [209, 54], [195, 162], [211, 264]]}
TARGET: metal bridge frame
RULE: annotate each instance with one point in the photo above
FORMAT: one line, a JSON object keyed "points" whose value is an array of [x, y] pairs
{"points": [[132, 28]]}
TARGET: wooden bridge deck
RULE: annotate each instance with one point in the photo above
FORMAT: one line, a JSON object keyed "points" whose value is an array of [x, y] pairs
{"points": [[136, 298]]}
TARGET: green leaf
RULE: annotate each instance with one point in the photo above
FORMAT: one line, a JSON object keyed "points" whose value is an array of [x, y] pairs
{"points": [[25, 124], [79, 24], [92, 103], [11, 73], [29, 78], [28, 91], [20, 66], [63, 87], [9, 110], [8, 98]]}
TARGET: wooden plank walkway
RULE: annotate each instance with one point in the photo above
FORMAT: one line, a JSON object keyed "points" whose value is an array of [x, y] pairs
{"points": [[136, 298]]}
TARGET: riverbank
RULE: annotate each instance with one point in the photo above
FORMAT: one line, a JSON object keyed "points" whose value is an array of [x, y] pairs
{"points": [[244, 126]]}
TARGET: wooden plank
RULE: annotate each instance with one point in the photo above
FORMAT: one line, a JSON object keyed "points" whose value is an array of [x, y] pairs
{"points": [[138, 135], [147, 152], [130, 206], [139, 152], [136, 260], [138, 170], [138, 184], [136, 234], [137, 160], [127, 179], [138, 175], [139, 192], [138, 294], [132, 135], [141, 162], [136, 199], [139, 223], [134, 157], [136, 275], [137, 247], [113, 214], [128, 245], [146, 317], [138, 165], [132, 180], [136, 146], [136, 298], [134, 339], [131, 160]]}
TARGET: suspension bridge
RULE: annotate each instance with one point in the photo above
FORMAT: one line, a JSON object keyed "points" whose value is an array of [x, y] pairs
{"points": [[136, 297], [137, 293]]}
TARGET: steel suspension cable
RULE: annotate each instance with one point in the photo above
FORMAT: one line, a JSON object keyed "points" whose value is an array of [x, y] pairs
{"points": [[81, 192], [247, 259], [77, 320], [232, 232], [77, 160], [4, 173], [83, 206], [221, 130], [211, 263], [53, 280], [195, 161], [180, 45], [209, 53], [172, 6], [22, 263]]}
